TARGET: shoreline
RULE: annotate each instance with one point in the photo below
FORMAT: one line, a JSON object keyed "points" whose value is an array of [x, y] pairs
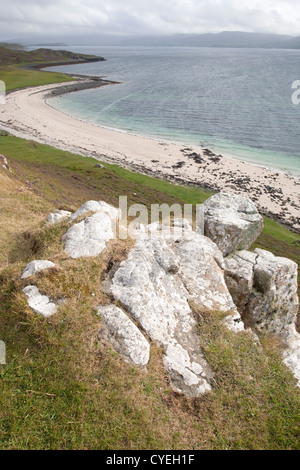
{"points": [[27, 114]]}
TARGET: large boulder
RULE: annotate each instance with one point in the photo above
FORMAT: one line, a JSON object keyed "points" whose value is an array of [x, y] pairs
{"points": [[161, 275], [38, 302], [90, 236], [124, 335], [35, 267], [264, 288], [231, 221]]}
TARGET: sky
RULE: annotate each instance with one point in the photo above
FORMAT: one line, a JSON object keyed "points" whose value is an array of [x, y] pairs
{"points": [[19, 18]]}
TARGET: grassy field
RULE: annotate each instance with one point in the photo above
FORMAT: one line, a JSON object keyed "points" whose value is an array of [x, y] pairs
{"points": [[61, 387], [14, 75]]}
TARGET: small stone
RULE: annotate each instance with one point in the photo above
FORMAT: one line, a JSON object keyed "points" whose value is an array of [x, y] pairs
{"points": [[58, 216], [39, 303], [36, 267]]}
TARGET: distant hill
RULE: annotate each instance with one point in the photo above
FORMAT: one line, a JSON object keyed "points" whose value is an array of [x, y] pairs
{"points": [[12, 46], [50, 44], [39, 56], [235, 39]]}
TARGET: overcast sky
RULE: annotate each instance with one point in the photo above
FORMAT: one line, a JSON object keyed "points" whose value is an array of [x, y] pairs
{"points": [[19, 18]]}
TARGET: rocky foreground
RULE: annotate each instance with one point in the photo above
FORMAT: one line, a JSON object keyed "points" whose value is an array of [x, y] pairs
{"points": [[169, 272]]}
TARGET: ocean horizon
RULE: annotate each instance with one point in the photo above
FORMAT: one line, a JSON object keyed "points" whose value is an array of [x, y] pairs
{"points": [[236, 102]]}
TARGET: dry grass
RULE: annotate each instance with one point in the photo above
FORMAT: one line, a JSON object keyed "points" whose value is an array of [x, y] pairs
{"points": [[21, 210]]}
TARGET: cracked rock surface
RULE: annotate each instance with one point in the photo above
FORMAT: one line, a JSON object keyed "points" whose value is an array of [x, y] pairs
{"points": [[155, 284], [264, 289], [89, 237], [124, 335]]}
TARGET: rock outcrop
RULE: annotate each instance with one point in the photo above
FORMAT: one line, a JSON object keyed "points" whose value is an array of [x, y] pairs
{"points": [[231, 221], [264, 289], [156, 283], [35, 267], [172, 269]]}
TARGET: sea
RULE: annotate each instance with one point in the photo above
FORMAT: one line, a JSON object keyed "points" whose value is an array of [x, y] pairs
{"points": [[237, 102]]}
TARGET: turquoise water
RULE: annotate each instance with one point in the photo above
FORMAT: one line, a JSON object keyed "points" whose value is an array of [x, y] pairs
{"points": [[237, 102]]}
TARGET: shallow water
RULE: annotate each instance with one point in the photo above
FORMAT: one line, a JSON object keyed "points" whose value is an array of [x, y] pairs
{"points": [[237, 102]]}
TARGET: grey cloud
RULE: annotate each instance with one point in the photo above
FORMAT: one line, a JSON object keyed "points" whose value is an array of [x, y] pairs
{"points": [[148, 17]]}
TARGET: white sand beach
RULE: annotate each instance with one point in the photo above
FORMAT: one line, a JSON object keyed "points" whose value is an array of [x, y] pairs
{"points": [[29, 114]]}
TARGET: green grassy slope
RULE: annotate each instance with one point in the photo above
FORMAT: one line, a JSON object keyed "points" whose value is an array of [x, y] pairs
{"points": [[15, 76]]}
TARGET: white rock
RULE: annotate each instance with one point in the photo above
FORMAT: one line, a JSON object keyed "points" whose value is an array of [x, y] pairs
{"points": [[96, 206], [201, 272], [264, 288], [2, 353], [291, 355], [124, 335], [157, 299], [182, 223], [231, 221], [58, 216], [89, 237], [273, 303], [177, 229], [239, 276], [36, 267], [39, 303], [157, 281], [185, 373], [4, 162], [234, 323]]}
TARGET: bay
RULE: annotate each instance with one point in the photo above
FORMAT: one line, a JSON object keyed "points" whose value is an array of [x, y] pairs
{"points": [[237, 102]]}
